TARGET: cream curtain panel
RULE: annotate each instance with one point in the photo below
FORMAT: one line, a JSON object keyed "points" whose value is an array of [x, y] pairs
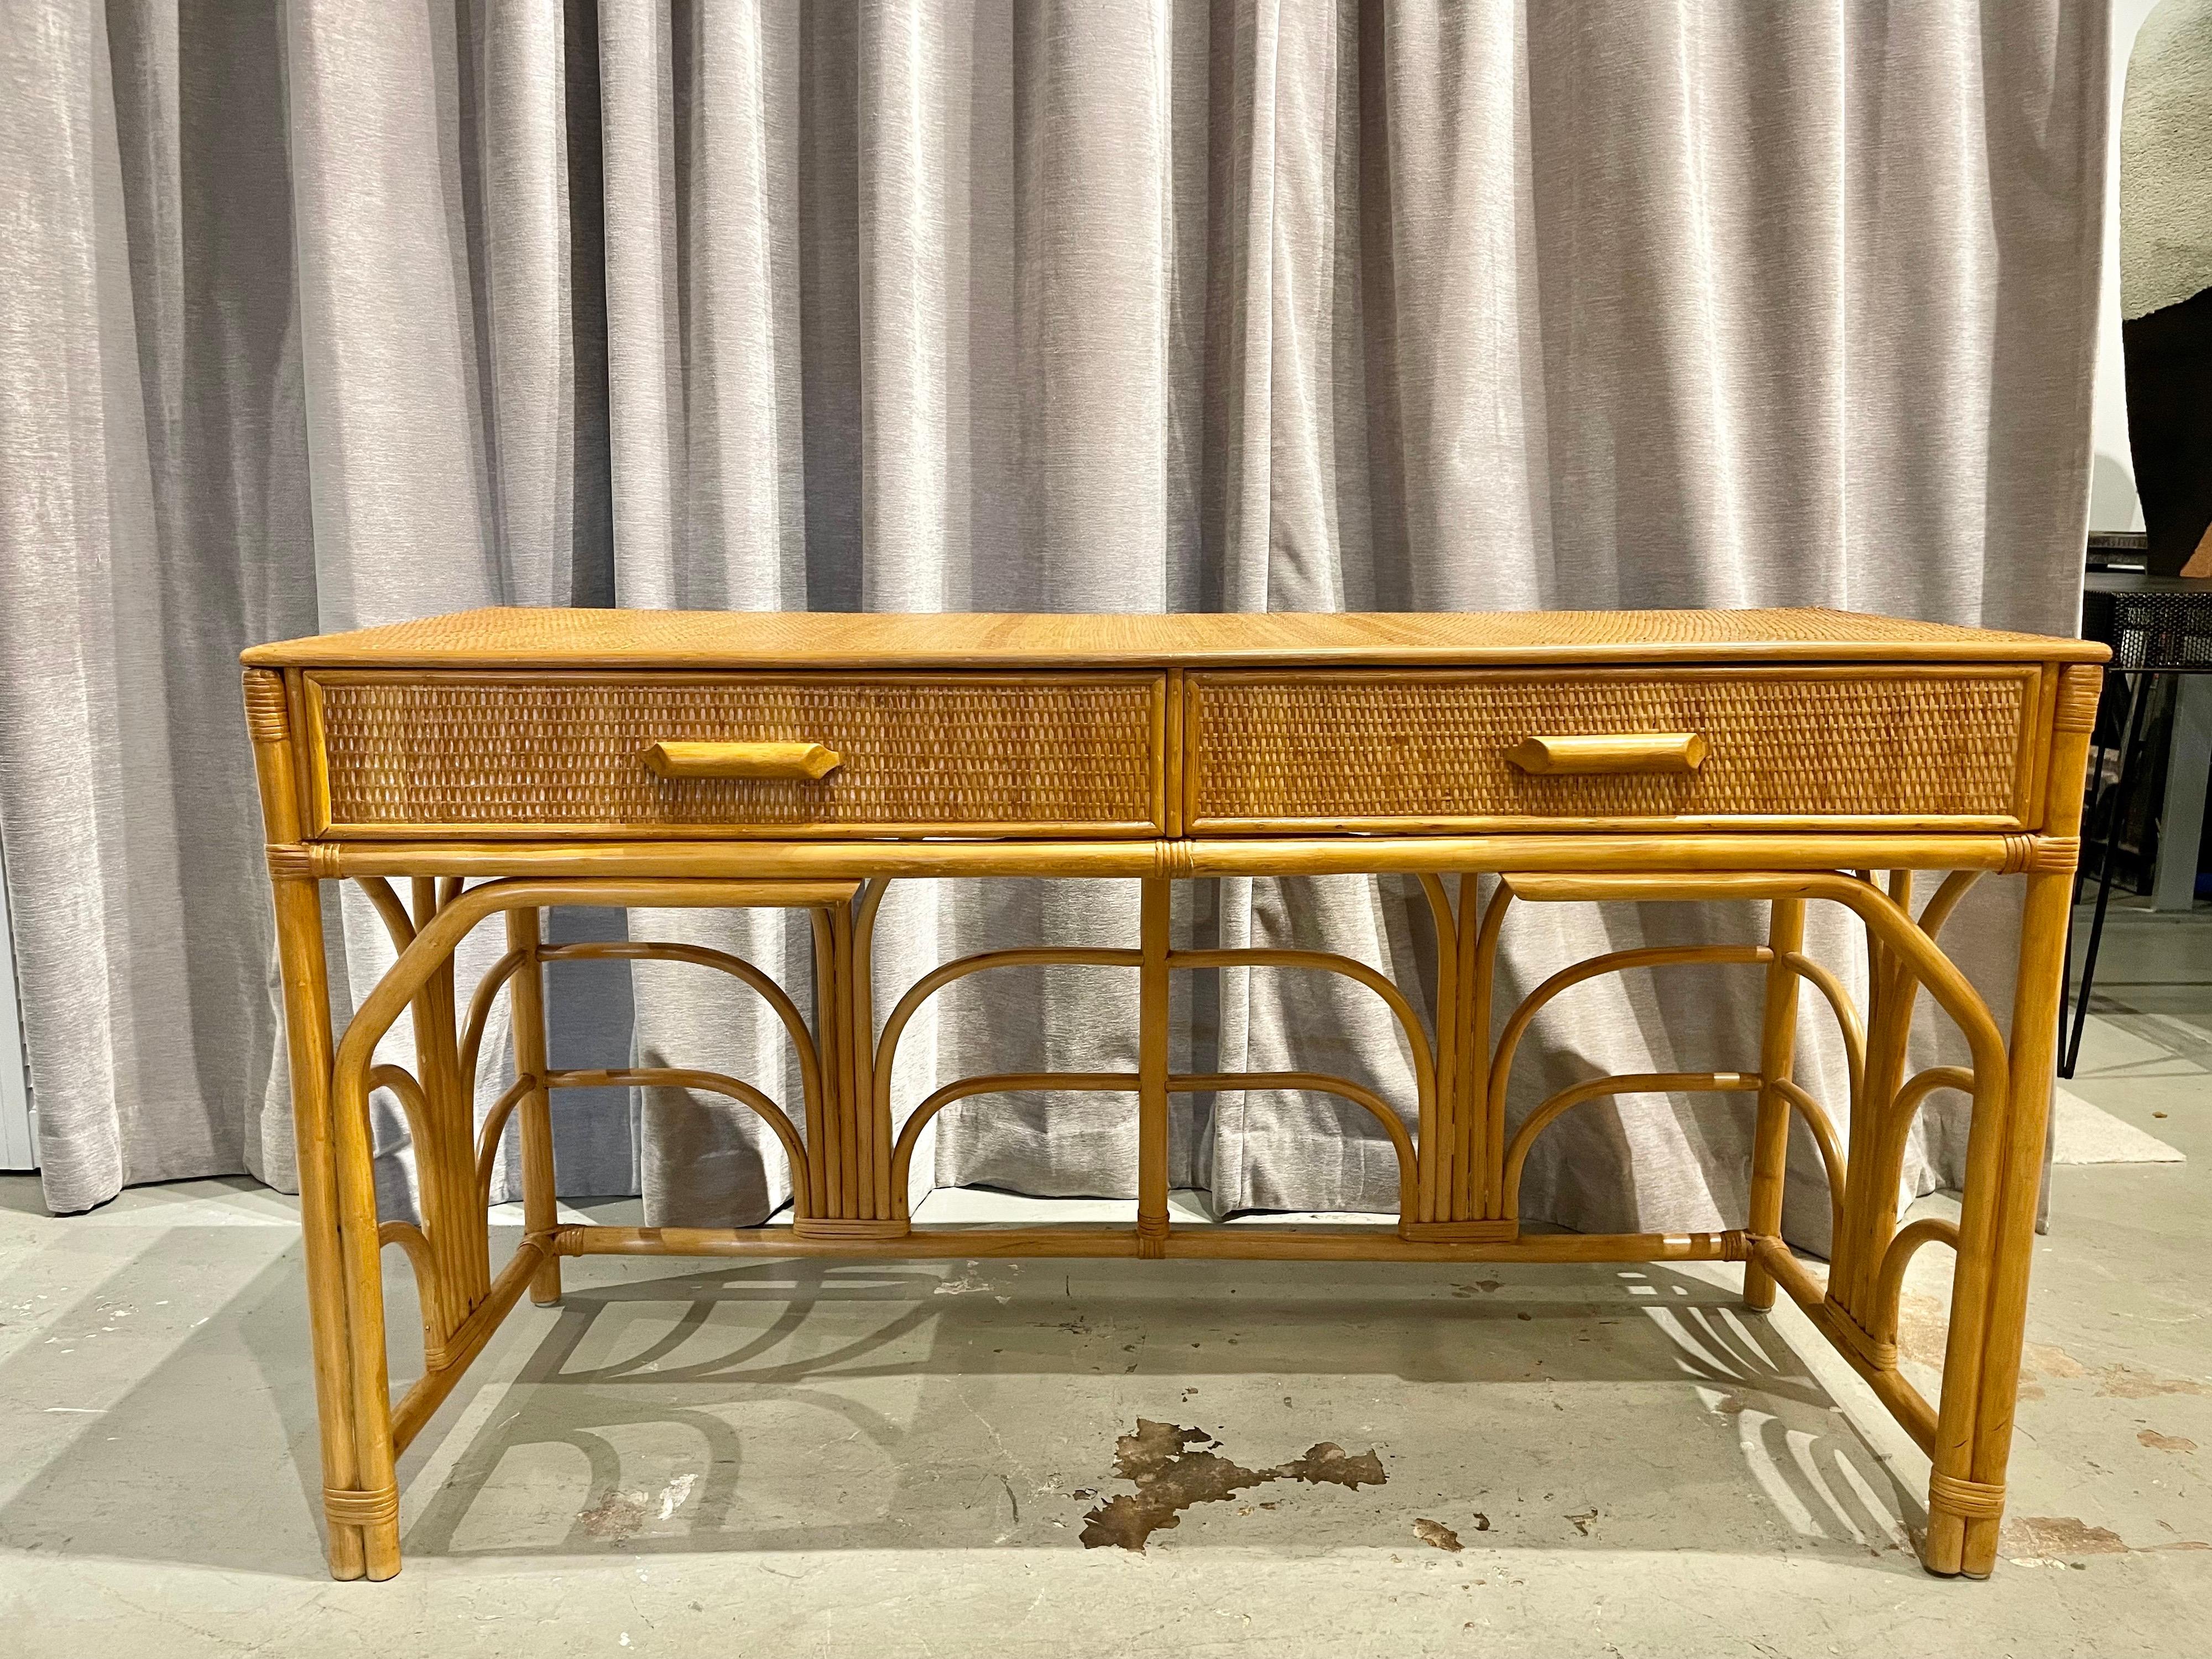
{"points": [[331, 313]]}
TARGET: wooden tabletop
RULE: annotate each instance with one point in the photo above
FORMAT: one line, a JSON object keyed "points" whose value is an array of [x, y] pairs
{"points": [[520, 638]]}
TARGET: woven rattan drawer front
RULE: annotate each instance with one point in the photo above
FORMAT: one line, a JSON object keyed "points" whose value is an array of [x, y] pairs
{"points": [[490, 754], [1419, 749]]}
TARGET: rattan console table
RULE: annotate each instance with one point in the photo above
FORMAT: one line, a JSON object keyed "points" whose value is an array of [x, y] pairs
{"points": [[503, 761]]}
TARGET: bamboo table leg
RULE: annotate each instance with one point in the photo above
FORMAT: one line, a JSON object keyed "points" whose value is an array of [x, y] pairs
{"points": [[372, 1504], [1975, 1506], [1769, 1151], [539, 1210], [306, 997], [1970, 1512], [299, 910], [1152, 1067]]}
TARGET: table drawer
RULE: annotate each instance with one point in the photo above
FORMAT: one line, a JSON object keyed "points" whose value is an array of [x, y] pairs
{"points": [[478, 754], [1953, 748]]}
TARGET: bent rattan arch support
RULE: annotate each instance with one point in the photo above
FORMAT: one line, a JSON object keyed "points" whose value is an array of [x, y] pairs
{"points": [[452, 1268], [398, 924], [1824, 1136], [1899, 948], [1613, 961], [1042, 956], [1162, 960], [428, 953], [1596, 1088], [479, 1015], [1481, 1131], [1330, 962], [699, 956], [1127, 1082], [1928, 1230], [1440, 1171], [416, 1248], [737, 1088], [494, 1126], [1157, 750], [1849, 1026]]}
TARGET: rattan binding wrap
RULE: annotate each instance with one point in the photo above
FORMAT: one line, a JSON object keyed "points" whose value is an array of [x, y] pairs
{"points": [[1074, 750], [2079, 692], [349, 1506], [1782, 743], [267, 718], [1977, 1499]]}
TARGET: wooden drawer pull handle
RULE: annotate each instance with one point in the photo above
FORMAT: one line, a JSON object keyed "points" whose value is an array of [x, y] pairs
{"points": [[1612, 751], [742, 760]]}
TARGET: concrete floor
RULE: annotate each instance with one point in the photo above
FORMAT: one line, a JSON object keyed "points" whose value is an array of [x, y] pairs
{"points": [[895, 1460]]}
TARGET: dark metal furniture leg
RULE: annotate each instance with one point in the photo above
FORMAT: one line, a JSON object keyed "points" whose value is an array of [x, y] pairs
{"points": [[2138, 685]]}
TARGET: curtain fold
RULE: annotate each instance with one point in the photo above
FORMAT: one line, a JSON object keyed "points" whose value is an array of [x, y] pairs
{"points": [[321, 315]]}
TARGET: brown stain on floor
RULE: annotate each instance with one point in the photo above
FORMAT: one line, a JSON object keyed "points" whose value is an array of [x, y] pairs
{"points": [[1922, 1324], [614, 1517], [2052, 1538], [1174, 1468], [2126, 1382]]}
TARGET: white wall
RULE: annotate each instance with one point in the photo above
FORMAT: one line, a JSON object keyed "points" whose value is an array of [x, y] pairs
{"points": [[2112, 504]]}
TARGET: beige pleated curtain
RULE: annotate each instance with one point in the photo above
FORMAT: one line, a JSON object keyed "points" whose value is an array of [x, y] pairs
{"points": [[331, 313]]}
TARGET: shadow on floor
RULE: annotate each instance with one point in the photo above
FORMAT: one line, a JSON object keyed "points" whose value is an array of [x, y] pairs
{"points": [[782, 1406]]}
